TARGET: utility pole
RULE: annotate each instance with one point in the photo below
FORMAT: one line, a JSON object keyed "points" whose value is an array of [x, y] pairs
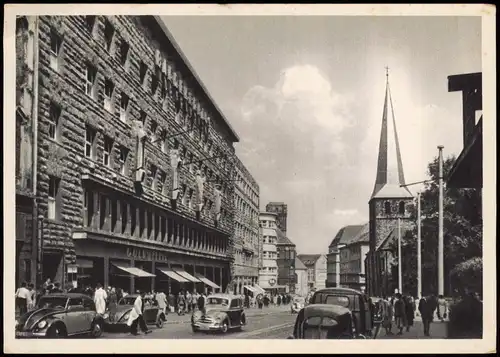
{"points": [[419, 248], [400, 270], [440, 223]]}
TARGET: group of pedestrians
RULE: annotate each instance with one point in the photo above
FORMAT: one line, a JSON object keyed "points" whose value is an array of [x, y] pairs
{"points": [[399, 310], [265, 300], [27, 296]]}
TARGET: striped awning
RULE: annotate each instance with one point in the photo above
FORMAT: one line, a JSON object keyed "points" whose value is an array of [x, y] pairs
{"points": [[135, 271], [250, 288], [173, 275], [187, 276], [259, 289], [207, 281]]}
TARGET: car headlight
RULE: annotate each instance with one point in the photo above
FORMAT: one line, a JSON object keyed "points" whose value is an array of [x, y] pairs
{"points": [[125, 317], [218, 319], [42, 324]]}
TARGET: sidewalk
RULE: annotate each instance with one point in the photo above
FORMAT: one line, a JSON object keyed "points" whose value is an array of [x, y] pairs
{"points": [[173, 318], [437, 330]]}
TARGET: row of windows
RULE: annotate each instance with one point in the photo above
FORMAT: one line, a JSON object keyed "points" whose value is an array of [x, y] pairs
{"points": [[286, 254], [272, 270], [247, 189], [269, 239], [352, 266], [245, 259], [269, 255], [400, 208], [242, 206], [267, 224], [245, 233]]}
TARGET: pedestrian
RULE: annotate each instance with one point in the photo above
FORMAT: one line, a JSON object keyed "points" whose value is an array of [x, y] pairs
{"points": [[171, 301], [47, 284], [181, 303], [196, 295], [201, 303], [442, 308], [399, 313], [136, 316], [112, 304], [100, 298], [161, 300], [259, 301], [56, 289], [189, 301], [23, 298], [410, 311], [426, 312], [247, 301], [32, 290], [387, 314], [278, 300]]}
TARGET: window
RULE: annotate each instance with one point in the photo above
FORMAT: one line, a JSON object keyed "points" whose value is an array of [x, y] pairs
{"points": [[124, 51], [55, 50], [52, 209], [108, 149], [90, 134], [154, 127], [54, 114], [109, 90], [109, 33], [154, 170], [155, 80], [90, 83], [401, 207], [143, 69], [190, 161], [190, 198], [183, 200], [163, 141], [90, 23], [387, 207], [124, 100], [142, 117], [123, 160]]}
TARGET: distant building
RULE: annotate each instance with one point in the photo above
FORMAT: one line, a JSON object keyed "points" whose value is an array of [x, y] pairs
{"points": [[301, 285], [316, 269], [352, 260], [343, 235], [268, 272], [286, 263], [389, 201], [281, 211]]}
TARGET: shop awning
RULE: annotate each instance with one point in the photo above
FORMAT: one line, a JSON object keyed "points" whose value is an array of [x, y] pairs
{"points": [[84, 263], [208, 282], [259, 289], [173, 275], [250, 288], [135, 271], [187, 276]]}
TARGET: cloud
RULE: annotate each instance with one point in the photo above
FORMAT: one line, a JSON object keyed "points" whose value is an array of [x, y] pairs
{"points": [[345, 212]]}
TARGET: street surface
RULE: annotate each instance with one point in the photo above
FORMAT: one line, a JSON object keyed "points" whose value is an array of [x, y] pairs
{"points": [[270, 323]]}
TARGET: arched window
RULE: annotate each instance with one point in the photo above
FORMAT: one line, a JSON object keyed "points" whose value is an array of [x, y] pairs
{"points": [[401, 207], [387, 207]]}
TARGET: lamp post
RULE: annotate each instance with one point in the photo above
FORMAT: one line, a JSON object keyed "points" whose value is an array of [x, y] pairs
{"points": [[419, 248], [440, 223], [400, 269], [337, 268]]}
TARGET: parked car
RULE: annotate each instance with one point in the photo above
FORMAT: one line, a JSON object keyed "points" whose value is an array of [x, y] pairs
{"points": [[152, 314], [60, 316], [222, 312], [298, 304], [325, 321], [352, 299]]}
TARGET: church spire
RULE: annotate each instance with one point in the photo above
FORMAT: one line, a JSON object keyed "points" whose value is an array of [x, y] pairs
{"points": [[390, 175]]}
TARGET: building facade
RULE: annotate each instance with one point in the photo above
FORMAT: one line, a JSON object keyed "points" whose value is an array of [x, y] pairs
{"points": [[247, 234], [134, 160], [286, 263], [281, 211], [316, 270], [390, 201], [301, 285], [333, 258], [268, 272], [352, 260]]}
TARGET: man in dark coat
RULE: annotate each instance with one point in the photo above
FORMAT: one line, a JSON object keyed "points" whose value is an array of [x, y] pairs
{"points": [[426, 309]]}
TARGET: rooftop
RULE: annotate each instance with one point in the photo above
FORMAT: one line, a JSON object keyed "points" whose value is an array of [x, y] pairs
{"points": [[282, 238], [345, 233], [299, 265], [362, 236]]}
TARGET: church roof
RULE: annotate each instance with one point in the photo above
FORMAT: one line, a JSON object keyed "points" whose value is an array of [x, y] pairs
{"points": [[390, 174], [362, 236], [299, 265], [282, 238], [391, 237], [344, 234]]}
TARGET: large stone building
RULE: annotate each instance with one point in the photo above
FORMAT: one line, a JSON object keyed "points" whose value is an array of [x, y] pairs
{"points": [[333, 257], [268, 272], [286, 263], [281, 211], [134, 161], [352, 260], [389, 201], [316, 270], [247, 234]]}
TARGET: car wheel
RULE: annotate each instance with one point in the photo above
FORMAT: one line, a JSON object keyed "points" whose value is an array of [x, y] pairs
{"points": [[97, 327], [57, 331], [159, 322], [194, 328], [224, 327]]}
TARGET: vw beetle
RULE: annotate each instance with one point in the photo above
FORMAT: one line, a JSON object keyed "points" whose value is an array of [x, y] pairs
{"points": [[222, 312], [152, 314], [323, 321], [60, 316]]}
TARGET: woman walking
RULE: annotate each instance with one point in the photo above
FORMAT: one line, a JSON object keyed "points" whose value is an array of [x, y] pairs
{"points": [[410, 311]]}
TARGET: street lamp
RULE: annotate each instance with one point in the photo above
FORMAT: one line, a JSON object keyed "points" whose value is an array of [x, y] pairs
{"points": [[440, 232], [337, 270]]}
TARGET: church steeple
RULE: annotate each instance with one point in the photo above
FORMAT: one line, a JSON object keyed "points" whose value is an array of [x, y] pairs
{"points": [[390, 175]]}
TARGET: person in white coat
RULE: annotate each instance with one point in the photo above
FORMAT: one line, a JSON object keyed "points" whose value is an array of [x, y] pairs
{"points": [[136, 318], [100, 297]]}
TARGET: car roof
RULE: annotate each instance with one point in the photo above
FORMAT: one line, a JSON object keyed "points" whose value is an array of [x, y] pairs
{"points": [[68, 295], [332, 310], [339, 290]]}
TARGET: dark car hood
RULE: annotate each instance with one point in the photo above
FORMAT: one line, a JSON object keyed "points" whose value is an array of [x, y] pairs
{"points": [[32, 317], [214, 311]]}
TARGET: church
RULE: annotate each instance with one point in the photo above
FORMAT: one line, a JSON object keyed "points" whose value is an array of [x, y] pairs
{"points": [[389, 204]]}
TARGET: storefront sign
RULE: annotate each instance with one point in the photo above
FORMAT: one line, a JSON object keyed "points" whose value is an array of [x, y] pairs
{"points": [[146, 254]]}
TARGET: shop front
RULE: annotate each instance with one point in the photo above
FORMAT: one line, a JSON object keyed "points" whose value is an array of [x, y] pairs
{"points": [[135, 268]]}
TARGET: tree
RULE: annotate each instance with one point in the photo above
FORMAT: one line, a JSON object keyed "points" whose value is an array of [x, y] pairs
{"points": [[462, 218]]}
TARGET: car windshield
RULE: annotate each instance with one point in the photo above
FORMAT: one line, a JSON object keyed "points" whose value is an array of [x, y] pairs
{"points": [[217, 301], [330, 299], [52, 302], [127, 301]]}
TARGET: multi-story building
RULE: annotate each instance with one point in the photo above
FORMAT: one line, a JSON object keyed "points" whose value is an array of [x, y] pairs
{"points": [[268, 272], [352, 259], [247, 235], [333, 256], [134, 159], [316, 270], [286, 263], [281, 211], [301, 285], [389, 202]]}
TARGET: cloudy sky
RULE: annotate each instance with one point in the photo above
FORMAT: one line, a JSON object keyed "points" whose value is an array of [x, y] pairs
{"points": [[305, 94]]}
